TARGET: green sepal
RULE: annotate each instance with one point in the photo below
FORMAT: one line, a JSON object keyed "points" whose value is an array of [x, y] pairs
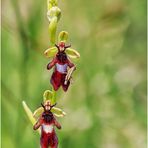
{"points": [[51, 52], [37, 113], [48, 94], [72, 53], [63, 36], [58, 112]]}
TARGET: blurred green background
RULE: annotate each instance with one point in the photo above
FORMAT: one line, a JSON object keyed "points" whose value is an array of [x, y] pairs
{"points": [[106, 105]]}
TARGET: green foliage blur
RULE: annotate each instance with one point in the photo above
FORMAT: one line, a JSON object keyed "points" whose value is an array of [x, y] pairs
{"points": [[106, 104]]}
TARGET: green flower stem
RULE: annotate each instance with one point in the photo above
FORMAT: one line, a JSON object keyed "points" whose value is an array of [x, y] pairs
{"points": [[51, 3], [54, 98], [52, 31], [53, 14]]}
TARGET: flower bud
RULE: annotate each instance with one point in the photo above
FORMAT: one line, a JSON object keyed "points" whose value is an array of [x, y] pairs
{"points": [[54, 11]]}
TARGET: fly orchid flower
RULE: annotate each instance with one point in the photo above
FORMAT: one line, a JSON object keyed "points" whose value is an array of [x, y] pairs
{"points": [[47, 99], [47, 122], [70, 52]]}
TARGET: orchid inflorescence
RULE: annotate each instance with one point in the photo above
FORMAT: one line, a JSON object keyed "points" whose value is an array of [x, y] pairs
{"points": [[43, 118]]}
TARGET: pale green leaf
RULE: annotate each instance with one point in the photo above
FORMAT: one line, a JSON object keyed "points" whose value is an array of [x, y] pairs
{"points": [[29, 114]]}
